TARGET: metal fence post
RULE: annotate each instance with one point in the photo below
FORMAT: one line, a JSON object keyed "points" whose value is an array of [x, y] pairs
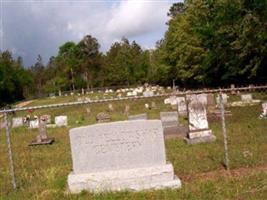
{"points": [[226, 157], [9, 151]]}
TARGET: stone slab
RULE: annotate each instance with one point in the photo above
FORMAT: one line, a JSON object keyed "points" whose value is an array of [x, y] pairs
{"points": [[210, 138], [43, 142], [199, 133], [138, 117], [156, 177], [175, 132]]}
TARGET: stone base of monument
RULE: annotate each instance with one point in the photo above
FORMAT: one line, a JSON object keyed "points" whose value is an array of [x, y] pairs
{"points": [[200, 136], [136, 179], [42, 142], [175, 131]]}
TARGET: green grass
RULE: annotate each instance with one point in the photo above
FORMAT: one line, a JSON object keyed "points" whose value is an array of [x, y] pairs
{"points": [[42, 170]]}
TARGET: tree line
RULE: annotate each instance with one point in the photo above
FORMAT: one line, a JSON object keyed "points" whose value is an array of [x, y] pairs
{"points": [[208, 43]]}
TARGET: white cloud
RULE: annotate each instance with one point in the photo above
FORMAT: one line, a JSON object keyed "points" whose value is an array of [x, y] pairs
{"points": [[40, 27]]}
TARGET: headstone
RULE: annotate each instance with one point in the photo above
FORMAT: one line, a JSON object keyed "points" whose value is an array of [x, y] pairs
{"points": [[182, 108], [102, 117], [153, 105], [246, 97], [126, 110], [198, 123], [171, 126], [34, 123], [148, 93], [138, 117], [233, 87], [128, 155], [88, 110], [146, 105], [47, 118], [59, 93], [82, 91], [42, 137], [61, 121], [17, 122], [110, 107]]}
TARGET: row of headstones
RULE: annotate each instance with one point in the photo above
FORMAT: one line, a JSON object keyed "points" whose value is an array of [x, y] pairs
{"points": [[34, 123]]}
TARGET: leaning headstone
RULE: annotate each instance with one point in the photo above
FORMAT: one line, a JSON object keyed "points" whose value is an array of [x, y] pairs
{"points": [[42, 137], [246, 97], [102, 117], [61, 121], [117, 156], [198, 123], [138, 117], [17, 122]]}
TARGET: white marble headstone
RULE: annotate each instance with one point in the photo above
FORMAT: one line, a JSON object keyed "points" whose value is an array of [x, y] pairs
{"points": [[246, 97], [17, 122], [120, 155], [61, 121], [34, 123], [117, 145]]}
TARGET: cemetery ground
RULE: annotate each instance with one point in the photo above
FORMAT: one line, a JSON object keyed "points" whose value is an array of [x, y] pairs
{"points": [[42, 171]]}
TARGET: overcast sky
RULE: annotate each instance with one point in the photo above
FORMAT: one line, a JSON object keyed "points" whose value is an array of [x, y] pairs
{"points": [[41, 26]]}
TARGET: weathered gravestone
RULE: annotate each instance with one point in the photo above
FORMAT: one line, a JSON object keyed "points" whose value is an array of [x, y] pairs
{"points": [[171, 125], [148, 93], [102, 117], [17, 122], [182, 108], [128, 155], [61, 121], [169, 119], [246, 97], [34, 123], [138, 117], [110, 107], [198, 124], [42, 137]]}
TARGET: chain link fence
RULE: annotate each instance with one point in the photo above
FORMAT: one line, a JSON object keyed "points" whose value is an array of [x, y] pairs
{"points": [[237, 117]]}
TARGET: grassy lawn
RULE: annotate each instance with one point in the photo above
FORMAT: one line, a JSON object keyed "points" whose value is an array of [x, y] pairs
{"points": [[42, 171]]}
